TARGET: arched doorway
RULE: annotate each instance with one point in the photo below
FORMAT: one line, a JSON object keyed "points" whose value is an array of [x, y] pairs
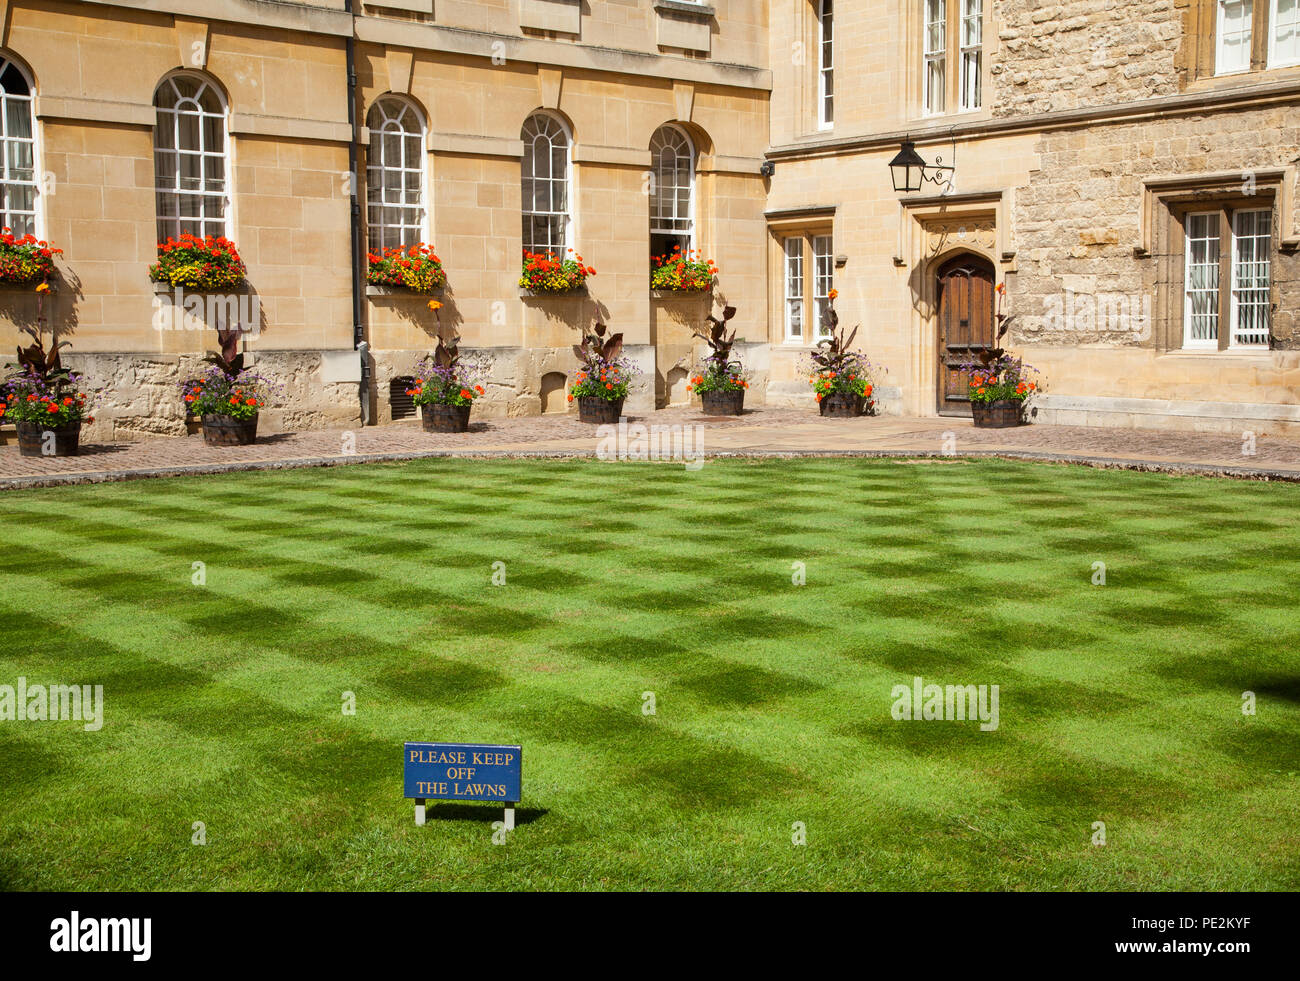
{"points": [[965, 324]]}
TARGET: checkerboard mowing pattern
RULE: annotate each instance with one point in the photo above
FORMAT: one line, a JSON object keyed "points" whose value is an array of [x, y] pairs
{"points": [[772, 702]]}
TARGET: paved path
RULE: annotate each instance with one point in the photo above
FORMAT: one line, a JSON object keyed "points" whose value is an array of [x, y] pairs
{"points": [[761, 432]]}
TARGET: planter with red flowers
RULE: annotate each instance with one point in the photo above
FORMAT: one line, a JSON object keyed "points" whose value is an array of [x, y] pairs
{"points": [[409, 269], [681, 274], [26, 260], [43, 402], [999, 386], [446, 385], [720, 383], [199, 265], [600, 385], [998, 383], [839, 375], [547, 274], [227, 397]]}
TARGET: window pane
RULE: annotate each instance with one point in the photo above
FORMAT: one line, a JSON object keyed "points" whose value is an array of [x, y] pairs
{"points": [[1234, 30], [794, 287], [1286, 32], [1201, 281], [1251, 274]]}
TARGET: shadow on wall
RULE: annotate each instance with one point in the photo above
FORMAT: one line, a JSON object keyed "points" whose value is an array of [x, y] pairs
{"points": [[54, 315]]}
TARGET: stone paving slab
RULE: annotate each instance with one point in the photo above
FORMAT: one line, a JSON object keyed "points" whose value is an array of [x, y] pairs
{"points": [[760, 432]]}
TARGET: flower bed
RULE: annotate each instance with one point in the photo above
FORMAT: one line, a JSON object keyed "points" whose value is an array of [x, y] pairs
{"points": [[546, 273], [205, 264], [25, 260], [682, 272], [416, 268]]}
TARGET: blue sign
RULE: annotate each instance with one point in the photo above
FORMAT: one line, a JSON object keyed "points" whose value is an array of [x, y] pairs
{"points": [[462, 771]]}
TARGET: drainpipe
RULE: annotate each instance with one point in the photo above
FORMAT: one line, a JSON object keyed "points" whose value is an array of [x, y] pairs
{"points": [[358, 256]]}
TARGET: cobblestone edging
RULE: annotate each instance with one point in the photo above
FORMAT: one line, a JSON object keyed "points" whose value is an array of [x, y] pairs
{"points": [[1104, 463]]}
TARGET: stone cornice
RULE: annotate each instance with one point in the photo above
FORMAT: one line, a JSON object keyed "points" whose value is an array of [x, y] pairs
{"points": [[263, 13], [942, 130], [455, 40]]}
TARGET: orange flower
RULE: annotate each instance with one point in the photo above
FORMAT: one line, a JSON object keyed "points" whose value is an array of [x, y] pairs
{"points": [[833, 294], [609, 387], [435, 305]]}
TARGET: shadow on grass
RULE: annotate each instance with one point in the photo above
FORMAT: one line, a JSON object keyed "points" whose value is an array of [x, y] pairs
{"points": [[485, 813]]}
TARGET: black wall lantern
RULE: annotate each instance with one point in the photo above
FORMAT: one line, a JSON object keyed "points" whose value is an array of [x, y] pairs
{"points": [[910, 171]]}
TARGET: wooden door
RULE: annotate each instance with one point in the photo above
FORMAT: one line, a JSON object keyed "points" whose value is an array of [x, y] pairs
{"points": [[965, 323]]}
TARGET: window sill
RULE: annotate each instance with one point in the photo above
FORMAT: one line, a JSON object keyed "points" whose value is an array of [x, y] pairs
{"points": [[167, 289], [526, 294], [680, 294], [703, 11], [1214, 352], [378, 291]]}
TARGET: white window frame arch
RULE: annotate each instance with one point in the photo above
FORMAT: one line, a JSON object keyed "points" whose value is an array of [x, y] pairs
{"points": [[10, 181], [173, 186], [675, 223], [567, 222], [413, 160]]}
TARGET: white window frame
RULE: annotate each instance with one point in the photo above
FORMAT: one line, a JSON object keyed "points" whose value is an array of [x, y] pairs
{"points": [[1262, 278], [1273, 61], [792, 278], [1220, 35], [934, 54], [823, 255], [825, 64], [567, 226], [172, 118], [1190, 342], [971, 51], [394, 115], [7, 182], [675, 139]]}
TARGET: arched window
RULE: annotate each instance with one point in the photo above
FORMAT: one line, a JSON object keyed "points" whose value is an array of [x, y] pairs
{"points": [[546, 185], [395, 168], [672, 198], [18, 187], [190, 166]]}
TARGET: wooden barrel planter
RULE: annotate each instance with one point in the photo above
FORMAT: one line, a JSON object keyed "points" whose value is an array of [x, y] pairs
{"points": [[228, 431], [723, 403], [63, 441], [592, 408], [437, 418], [841, 405], [996, 415]]}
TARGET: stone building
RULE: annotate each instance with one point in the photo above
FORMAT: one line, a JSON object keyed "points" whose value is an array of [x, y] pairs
{"points": [[1124, 171]]}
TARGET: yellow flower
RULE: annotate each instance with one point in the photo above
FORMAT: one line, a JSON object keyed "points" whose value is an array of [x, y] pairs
{"points": [[435, 305], [43, 288]]}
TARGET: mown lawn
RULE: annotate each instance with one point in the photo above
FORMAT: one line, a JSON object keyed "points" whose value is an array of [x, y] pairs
{"points": [[1119, 703]]}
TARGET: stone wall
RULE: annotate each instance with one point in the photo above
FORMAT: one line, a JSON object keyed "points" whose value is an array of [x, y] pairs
{"points": [[137, 395], [1078, 221], [1053, 57]]}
